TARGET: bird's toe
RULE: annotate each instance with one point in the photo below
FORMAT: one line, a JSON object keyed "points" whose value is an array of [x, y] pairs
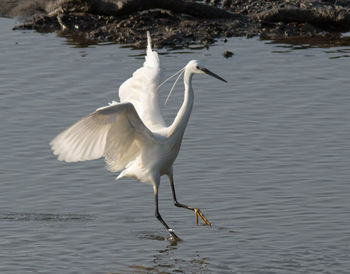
{"points": [[198, 213]]}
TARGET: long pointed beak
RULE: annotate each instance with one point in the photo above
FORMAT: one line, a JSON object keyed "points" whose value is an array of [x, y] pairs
{"points": [[206, 71]]}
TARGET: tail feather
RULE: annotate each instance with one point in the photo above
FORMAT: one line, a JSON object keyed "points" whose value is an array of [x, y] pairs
{"points": [[152, 59], [149, 43], [141, 89]]}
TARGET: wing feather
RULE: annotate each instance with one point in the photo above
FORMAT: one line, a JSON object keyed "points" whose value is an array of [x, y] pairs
{"points": [[115, 132]]}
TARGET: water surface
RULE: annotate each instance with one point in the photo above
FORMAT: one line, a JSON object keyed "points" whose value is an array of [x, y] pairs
{"points": [[266, 157]]}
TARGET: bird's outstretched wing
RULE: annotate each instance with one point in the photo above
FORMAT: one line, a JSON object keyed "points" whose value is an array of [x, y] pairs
{"points": [[141, 90], [115, 132]]}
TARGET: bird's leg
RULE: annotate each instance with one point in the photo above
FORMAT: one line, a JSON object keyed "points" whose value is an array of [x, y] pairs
{"points": [[157, 214], [197, 211]]}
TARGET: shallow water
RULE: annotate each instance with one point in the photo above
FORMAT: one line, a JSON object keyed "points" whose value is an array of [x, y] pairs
{"points": [[266, 157]]}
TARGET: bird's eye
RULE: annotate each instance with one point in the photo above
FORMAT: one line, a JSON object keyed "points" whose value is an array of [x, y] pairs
{"points": [[197, 67]]}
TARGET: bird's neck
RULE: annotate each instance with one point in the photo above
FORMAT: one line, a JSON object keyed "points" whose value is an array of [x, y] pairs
{"points": [[180, 122]]}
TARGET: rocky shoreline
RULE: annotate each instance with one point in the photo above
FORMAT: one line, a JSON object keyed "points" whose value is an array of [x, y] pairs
{"points": [[177, 23]]}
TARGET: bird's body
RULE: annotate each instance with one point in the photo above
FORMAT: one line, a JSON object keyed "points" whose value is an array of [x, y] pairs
{"points": [[131, 135]]}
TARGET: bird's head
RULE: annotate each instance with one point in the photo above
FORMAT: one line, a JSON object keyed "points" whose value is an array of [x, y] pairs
{"points": [[195, 66]]}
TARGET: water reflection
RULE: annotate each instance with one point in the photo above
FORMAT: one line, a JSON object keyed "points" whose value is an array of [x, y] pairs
{"points": [[167, 261], [77, 40], [339, 53], [336, 40], [151, 236], [288, 45]]}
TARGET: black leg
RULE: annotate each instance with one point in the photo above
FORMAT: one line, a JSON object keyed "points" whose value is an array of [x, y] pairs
{"points": [[176, 203], [197, 212], [157, 214]]}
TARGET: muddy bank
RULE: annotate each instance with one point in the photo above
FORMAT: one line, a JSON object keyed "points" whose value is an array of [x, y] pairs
{"points": [[176, 23]]}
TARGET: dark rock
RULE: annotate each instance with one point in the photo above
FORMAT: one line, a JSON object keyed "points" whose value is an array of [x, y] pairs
{"points": [[178, 23], [325, 16], [226, 3], [228, 54]]}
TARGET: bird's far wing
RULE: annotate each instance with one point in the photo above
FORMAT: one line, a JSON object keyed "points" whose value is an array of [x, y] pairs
{"points": [[115, 132], [141, 90]]}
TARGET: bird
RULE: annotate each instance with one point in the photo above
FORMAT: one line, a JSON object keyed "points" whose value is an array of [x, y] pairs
{"points": [[131, 135]]}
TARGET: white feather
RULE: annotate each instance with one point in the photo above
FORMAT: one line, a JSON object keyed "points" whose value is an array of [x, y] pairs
{"points": [[115, 132], [141, 90]]}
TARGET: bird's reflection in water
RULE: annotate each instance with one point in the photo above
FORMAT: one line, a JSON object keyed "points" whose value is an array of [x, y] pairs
{"points": [[150, 236], [166, 261]]}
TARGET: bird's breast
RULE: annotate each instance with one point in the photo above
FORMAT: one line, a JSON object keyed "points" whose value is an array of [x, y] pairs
{"points": [[170, 150]]}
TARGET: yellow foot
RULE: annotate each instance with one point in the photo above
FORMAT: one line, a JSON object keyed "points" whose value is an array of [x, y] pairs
{"points": [[200, 214]]}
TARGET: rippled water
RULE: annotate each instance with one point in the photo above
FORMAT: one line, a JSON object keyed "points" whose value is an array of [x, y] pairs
{"points": [[266, 157]]}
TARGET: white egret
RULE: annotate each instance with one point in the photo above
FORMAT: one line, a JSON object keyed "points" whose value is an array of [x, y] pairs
{"points": [[131, 134]]}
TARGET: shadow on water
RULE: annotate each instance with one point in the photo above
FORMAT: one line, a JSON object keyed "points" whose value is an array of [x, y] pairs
{"points": [[42, 217]]}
